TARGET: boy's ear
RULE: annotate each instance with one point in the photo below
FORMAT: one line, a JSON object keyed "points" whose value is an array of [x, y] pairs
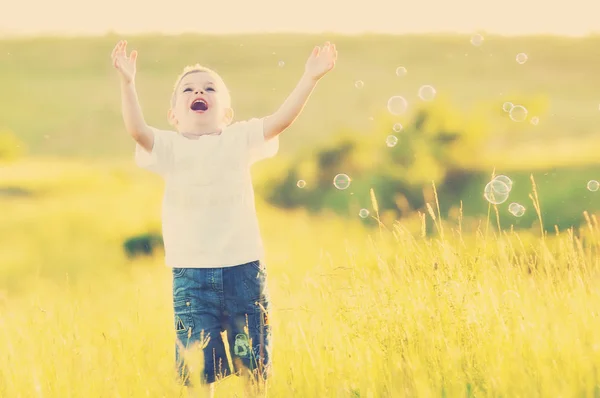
{"points": [[228, 116], [171, 117]]}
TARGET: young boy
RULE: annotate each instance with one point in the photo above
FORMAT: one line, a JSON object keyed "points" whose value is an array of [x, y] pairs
{"points": [[210, 229]]}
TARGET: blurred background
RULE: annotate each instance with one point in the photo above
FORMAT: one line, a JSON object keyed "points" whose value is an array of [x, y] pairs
{"points": [[73, 205], [67, 174]]}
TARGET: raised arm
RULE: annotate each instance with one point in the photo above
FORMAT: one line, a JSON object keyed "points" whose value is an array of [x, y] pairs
{"points": [[321, 61], [132, 112]]}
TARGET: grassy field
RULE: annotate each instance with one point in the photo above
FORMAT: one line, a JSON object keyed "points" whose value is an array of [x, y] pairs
{"points": [[375, 310]]}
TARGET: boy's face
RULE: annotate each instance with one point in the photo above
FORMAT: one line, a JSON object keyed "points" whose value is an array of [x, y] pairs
{"points": [[201, 104]]}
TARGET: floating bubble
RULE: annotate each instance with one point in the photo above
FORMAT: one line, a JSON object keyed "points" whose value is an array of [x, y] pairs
{"points": [[496, 192], [505, 179], [359, 84], [593, 185], [397, 127], [534, 120], [516, 209], [363, 213], [281, 64], [477, 39], [301, 184], [521, 58], [397, 105], [401, 71], [507, 106], [341, 181], [518, 113], [427, 93], [498, 185], [391, 140]]}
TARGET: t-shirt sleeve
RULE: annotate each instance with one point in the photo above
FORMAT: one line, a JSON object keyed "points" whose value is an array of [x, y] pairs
{"points": [[160, 159], [258, 147]]}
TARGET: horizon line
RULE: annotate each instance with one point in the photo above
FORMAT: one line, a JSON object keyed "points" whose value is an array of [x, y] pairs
{"points": [[111, 32]]}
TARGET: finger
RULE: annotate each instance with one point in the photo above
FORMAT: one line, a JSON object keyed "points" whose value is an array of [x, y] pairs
{"points": [[133, 57], [115, 49], [327, 44], [119, 48], [315, 51]]}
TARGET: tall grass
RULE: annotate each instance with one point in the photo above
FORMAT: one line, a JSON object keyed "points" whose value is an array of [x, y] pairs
{"points": [[388, 311]]}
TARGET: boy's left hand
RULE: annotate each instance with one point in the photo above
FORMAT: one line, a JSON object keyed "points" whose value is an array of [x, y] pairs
{"points": [[321, 61]]}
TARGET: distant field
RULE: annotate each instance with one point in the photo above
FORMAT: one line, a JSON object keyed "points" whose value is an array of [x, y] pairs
{"points": [[61, 95]]}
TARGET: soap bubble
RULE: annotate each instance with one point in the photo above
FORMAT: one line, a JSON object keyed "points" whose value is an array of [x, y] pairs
{"points": [[301, 184], [477, 39], [281, 64], [363, 213], [496, 192], [516, 209], [518, 113], [427, 93], [507, 106], [401, 71], [341, 181], [359, 84], [593, 185], [391, 140], [522, 58], [534, 120], [397, 127], [397, 105], [506, 180]]}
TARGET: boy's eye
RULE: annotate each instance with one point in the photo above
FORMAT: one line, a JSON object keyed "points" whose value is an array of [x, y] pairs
{"points": [[210, 89], [187, 89]]}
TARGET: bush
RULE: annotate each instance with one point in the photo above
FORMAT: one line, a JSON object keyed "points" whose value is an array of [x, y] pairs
{"points": [[143, 245], [440, 145]]}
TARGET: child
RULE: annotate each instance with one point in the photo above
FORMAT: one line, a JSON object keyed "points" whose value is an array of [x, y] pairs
{"points": [[210, 229]]}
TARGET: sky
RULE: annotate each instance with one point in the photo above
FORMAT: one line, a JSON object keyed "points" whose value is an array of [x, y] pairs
{"points": [[506, 17]]}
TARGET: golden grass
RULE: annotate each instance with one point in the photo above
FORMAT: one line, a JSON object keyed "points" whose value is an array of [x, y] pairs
{"points": [[380, 312]]}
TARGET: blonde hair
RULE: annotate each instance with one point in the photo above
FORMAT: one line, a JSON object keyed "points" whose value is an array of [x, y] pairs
{"points": [[197, 69]]}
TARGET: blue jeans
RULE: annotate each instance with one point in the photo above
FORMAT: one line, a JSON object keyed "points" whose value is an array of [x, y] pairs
{"points": [[207, 301]]}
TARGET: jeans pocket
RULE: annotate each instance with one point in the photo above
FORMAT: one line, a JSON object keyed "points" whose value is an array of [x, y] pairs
{"points": [[177, 272], [184, 321]]}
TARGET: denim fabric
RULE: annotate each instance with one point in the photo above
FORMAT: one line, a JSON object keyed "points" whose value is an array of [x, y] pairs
{"points": [[207, 301]]}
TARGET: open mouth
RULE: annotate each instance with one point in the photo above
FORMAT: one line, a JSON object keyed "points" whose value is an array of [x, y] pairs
{"points": [[199, 105]]}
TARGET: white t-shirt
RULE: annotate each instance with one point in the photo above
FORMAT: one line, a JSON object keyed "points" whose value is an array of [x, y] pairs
{"points": [[208, 214]]}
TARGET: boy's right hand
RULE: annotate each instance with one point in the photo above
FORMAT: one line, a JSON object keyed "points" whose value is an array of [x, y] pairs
{"points": [[125, 65]]}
